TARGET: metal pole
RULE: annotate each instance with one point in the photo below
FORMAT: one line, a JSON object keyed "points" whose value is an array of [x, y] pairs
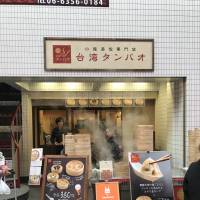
{"points": [[15, 188]]}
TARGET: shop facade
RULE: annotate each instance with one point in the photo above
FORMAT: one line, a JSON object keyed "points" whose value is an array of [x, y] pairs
{"points": [[171, 91]]}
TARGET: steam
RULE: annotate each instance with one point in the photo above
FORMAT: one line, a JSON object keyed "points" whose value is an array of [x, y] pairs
{"points": [[131, 117], [101, 147]]}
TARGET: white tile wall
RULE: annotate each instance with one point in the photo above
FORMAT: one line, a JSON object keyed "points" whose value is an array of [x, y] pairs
{"points": [[170, 122], [173, 24]]}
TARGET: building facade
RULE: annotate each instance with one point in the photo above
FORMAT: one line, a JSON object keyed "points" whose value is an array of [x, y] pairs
{"points": [[174, 26]]}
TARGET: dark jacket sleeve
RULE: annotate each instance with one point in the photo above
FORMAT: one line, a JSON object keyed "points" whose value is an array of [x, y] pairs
{"points": [[116, 151], [185, 187], [53, 136]]}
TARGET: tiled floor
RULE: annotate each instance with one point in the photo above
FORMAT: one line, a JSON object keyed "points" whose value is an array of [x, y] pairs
{"points": [[34, 193]]}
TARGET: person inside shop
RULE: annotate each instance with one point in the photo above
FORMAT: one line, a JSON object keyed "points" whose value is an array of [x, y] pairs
{"points": [[191, 183], [115, 148], [57, 134]]}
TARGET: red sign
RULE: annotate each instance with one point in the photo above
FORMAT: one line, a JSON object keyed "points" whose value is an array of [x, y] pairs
{"points": [[85, 3], [107, 191], [62, 54], [135, 158]]}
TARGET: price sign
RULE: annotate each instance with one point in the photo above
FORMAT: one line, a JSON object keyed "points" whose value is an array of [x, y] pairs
{"points": [[65, 178]]}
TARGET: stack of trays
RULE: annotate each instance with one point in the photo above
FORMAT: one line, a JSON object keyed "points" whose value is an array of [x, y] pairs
{"points": [[194, 145], [143, 138], [69, 144], [121, 170], [78, 145]]}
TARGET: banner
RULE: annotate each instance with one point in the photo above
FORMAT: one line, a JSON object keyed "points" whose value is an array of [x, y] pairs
{"points": [[107, 191], [150, 176], [82, 3], [98, 54]]}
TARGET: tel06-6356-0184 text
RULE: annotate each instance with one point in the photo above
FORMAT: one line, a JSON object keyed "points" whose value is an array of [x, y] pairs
{"points": [[73, 2]]}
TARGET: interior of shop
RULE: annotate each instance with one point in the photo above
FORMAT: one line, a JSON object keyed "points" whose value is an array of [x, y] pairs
{"points": [[126, 109]]}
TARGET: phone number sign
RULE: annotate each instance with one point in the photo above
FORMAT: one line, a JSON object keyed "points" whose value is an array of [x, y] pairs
{"points": [[85, 3]]}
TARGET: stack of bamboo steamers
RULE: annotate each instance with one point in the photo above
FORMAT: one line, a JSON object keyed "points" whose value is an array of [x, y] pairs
{"points": [[143, 138], [78, 145]]}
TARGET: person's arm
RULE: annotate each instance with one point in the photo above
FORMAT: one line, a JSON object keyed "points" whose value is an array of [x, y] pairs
{"points": [[53, 136]]}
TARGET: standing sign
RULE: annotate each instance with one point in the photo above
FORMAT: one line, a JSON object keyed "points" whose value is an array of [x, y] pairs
{"points": [[150, 176], [98, 54], [35, 166], [85, 3], [65, 178], [107, 191], [106, 170]]}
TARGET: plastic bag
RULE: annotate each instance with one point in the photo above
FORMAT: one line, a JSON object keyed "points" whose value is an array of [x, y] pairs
{"points": [[4, 189]]}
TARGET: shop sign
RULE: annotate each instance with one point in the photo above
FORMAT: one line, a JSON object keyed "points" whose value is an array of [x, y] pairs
{"points": [[107, 191], [83, 3], [98, 54], [65, 177], [150, 176]]}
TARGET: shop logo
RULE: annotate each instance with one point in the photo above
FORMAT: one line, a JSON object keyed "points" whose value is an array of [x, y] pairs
{"points": [[107, 190], [62, 54], [135, 158]]}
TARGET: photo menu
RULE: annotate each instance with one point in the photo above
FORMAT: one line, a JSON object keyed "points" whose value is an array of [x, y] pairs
{"points": [[150, 176], [65, 178], [35, 166]]}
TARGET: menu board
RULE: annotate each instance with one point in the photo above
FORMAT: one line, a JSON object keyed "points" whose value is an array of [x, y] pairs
{"points": [[34, 176], [150, 176], [36, 157], [35, 166], [65, 177]]}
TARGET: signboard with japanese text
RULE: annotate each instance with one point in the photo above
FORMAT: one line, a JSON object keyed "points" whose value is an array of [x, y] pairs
{"points": [[98, 54], [107, 191], [83, 3], [65, 178], [150, 176]]}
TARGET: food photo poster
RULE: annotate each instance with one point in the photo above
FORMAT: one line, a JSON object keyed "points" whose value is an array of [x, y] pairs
{"points": [[65, 177], [150, 175]]}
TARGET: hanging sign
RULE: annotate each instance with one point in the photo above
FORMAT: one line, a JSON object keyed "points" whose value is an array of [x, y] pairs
{"points": [[98, 54], [83, 3]]}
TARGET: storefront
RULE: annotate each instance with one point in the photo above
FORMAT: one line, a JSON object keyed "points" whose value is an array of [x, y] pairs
{"points": [[118, 106], [164, 94]]}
